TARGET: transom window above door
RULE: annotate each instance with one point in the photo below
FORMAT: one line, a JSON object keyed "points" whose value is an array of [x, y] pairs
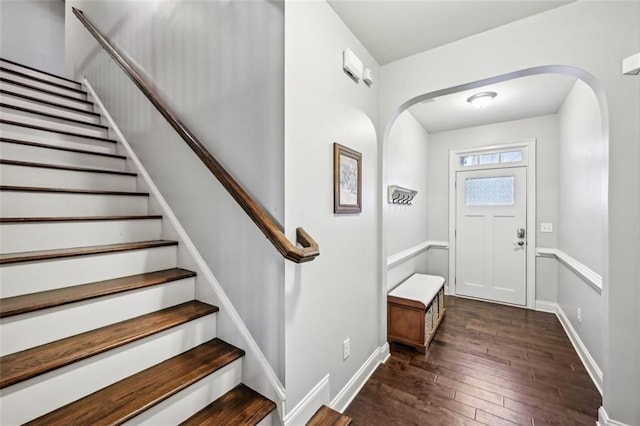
{"points": [[491, 158]]}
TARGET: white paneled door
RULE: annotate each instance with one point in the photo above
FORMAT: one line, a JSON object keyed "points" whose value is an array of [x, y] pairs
{"points": [[491, 222]]}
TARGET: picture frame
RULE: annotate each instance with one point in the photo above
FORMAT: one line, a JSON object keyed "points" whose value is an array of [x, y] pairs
{"points": [[347, 180]]}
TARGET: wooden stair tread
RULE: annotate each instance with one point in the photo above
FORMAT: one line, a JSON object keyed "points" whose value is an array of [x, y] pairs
{"points": [[61, 132], [41, 80], [40, 71], [241, 406], [49, 115], [47, 299], [326, 416], [62, 148], [68, 168], [76, 218], [48, 92], [43, 101], [129, 397], [30, 256], [32, 362], [70, 191]]}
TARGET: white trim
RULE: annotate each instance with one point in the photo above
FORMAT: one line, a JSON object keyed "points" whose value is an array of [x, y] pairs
{"points": [[351, 389], [583, 353], [586, 273], [546, 252], [605, 420], [316, 398], [544, 306], [205, 271], [385, 353], [403, 255], [529, 154]]}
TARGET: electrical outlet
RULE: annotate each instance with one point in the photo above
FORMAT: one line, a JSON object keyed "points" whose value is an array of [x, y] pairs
{"points": [[580, 315], [546, 227], [346, 349]]}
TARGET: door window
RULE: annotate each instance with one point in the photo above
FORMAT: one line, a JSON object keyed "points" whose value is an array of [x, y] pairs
{"points": [[490, 191]]}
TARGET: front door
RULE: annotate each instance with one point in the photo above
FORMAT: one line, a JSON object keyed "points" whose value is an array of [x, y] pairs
{"points": [[491, 221]]}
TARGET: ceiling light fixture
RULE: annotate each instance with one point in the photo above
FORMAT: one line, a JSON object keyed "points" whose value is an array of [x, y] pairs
{"points": [[482, 100]]}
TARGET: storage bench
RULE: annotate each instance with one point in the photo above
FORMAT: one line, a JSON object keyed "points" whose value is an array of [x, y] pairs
{"points": [[415, 309]]}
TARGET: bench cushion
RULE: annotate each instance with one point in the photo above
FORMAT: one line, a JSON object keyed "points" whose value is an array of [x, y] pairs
{"points": [[419, 287]]}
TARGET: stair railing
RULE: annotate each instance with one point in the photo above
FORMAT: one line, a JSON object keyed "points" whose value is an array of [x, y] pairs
{"points": [[309, 249]]}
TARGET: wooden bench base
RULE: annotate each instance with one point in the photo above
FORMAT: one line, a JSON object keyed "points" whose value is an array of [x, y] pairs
{"points": [[413, 320]]}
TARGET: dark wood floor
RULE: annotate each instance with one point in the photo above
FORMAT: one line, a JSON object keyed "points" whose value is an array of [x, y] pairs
{"points": [[488, 364]]}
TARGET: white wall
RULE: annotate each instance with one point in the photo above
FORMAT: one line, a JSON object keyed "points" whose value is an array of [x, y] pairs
{"points": [[582, 178], [220, 66], [32, 33], [545, 131], [406, 226], [336, 296], [581, 211], [599, 36]]}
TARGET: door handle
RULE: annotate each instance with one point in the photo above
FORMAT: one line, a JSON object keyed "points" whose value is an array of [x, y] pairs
{"points": [[520, 243]]}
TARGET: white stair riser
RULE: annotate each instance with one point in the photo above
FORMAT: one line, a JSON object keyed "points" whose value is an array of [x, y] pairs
{"points": [[189, 401], [21, 133], [20, 237], [25, 331], [48, 109], [66, 384], [18, 152], [40, 75], [55, 178], [267, 421], [31, 277], [42, 85], [11, 114], [35, 93], [45, 204]]}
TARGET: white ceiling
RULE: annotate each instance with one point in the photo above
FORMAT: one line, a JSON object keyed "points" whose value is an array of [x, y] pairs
{"points": [[394, 29], [519, 98]]}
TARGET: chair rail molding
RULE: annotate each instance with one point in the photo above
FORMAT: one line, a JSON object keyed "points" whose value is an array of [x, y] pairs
{"points": [[403, 255], [586, 273]]}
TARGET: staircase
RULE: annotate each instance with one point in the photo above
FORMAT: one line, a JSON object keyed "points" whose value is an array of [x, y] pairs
{"points": [[98, 323]]}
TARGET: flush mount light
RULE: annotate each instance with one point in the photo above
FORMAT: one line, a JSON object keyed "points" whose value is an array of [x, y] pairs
{"points": [[482, 100]]}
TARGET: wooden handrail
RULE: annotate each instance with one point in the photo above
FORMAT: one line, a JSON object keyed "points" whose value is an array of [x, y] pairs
{"points": [[309, 249]]}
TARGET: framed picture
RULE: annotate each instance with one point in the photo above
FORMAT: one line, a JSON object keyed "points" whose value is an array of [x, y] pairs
{"points": [[347, 180]]}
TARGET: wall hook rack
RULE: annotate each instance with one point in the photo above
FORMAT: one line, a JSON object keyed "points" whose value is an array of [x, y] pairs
{"points": [[400, 195]]}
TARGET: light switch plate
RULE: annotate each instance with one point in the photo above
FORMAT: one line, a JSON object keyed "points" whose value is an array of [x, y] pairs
{"points": [[546, 227]]}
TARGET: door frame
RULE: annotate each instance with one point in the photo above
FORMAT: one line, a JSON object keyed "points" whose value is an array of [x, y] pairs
{"points": [[529, 149]]}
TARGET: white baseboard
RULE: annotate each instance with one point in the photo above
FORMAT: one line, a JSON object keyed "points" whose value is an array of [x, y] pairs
{"points": [[385, 353], [544, 306], [604, 420], [587, 360], [316, 398], [351, 389]]}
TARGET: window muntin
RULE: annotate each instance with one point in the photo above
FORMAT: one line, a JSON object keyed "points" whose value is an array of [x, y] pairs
{"points": [[491, 158]]}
